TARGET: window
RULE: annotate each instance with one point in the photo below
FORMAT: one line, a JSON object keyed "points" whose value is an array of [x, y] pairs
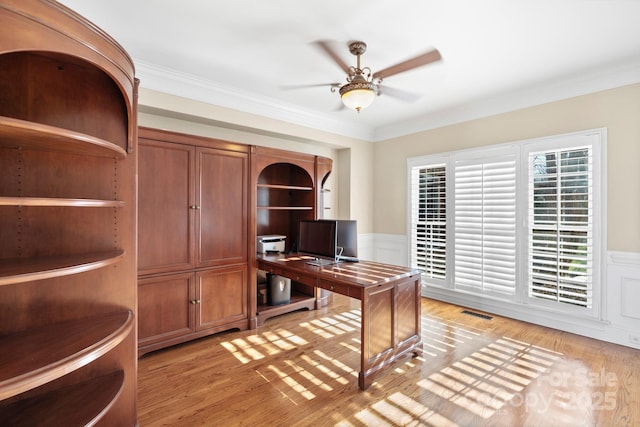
{"points": [[485, 224], [561, 226], [429, 220], [519, 222]]}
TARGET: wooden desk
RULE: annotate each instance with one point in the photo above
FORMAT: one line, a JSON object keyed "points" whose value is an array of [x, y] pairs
{"points": [[390, 304]]}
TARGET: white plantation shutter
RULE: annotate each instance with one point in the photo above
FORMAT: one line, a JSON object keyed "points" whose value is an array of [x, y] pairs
{"points": [[561, 226], [485, 225], [523, 222], [428, 220]]}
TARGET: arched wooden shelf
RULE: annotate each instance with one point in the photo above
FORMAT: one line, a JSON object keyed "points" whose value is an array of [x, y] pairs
{"points": [[66, 406], [53, 351], [24, 270], [60, 202], [20, 134], [285, 187]]}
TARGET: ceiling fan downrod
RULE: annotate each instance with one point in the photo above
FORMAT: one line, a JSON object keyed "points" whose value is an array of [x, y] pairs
{"points": [[358, 48]]}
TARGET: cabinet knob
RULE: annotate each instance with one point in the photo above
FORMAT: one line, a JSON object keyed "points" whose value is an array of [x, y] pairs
{"points": [[194, 207], [195, 301]]}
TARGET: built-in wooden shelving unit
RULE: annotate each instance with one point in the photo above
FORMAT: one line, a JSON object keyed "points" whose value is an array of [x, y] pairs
{"points": [[67, 220]]}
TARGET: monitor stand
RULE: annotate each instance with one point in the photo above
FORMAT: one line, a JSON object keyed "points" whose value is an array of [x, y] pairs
{"points": [[321, 262]]}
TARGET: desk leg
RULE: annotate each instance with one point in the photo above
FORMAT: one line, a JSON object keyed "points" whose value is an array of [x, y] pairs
{"points": [[390, 326]]}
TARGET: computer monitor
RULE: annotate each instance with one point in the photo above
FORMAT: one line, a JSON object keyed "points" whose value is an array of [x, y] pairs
{"points": [[318, 238], [347, 240]]}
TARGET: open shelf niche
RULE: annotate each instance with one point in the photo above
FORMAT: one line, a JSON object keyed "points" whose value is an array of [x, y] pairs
{"points": [[287, 192]]}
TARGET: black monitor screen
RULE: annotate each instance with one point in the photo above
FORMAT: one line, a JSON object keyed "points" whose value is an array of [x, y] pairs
{"points": [[318, 238], [347, 238]]}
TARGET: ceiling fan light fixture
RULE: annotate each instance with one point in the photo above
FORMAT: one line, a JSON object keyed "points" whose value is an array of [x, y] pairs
{"points": [[357, 95]]}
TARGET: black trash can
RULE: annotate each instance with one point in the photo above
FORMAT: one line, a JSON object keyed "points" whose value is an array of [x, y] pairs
{"points": [[278, 290]]}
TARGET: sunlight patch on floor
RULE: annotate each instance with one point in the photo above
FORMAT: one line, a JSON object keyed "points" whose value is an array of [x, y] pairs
{"points": [[306, 374], [335, 362], [490, 377], [292, 383], [335, 325], [399, 410], [325, 370], [259, 346]]}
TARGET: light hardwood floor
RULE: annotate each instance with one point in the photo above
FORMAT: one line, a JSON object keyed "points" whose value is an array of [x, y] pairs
{"points": [[300, 369]]}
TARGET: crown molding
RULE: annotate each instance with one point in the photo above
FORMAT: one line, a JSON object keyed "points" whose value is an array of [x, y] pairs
{"points": [[185, 85], [616, 75], [172, 82]]}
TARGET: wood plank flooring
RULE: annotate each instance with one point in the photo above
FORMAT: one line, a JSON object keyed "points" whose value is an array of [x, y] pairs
{"points": [[300, 369]]}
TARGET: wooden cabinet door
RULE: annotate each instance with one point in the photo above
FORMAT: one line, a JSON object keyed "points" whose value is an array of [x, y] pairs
{"points": [[221, 192], [166, 206], [222, 296], [165, 309]]}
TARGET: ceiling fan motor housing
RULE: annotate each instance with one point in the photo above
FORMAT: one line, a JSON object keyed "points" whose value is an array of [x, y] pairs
{"points": [[358, 82], [357, 47]]}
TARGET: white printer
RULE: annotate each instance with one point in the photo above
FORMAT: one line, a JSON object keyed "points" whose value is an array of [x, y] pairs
{"points": [[270, 243]]}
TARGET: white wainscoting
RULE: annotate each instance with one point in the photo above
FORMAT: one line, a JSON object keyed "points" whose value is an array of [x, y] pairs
{"points": [[623, 297], [388, 248], [620, 319]]}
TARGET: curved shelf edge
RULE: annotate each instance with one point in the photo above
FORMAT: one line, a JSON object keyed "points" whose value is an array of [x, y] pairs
{"points": [[284, 187], [60, 202], [286, 208], [84, 403], [25, 270], [16, 133], [55, 350]]}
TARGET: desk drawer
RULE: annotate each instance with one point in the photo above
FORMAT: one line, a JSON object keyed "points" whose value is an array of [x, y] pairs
{"points": [[267, 268], [301, 278], [334, 287], [296, 277], [275, 270]]}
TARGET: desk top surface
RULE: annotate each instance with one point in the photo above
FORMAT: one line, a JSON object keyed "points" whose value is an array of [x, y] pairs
{"points": [[362, 273]]}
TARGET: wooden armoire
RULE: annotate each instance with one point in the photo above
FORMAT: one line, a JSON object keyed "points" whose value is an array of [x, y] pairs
{"points": [[67, 220], [193, 255]]}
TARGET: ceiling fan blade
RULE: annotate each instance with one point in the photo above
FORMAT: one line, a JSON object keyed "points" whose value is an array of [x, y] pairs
{"points": [[291, 87], [398, 93], [328, 49], [418, 61]]}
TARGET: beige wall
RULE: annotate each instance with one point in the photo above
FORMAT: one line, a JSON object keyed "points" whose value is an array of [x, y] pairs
{"points": [[353, 158], [356, 189], [618, 110]]}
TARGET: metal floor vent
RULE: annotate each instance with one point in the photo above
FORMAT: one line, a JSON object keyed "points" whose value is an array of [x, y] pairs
{"points": [[482, 316]]}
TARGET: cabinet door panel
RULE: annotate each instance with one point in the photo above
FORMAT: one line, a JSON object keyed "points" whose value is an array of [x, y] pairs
{"points": [[165, 195], [165, 310], [222, 201], [222, 293]]}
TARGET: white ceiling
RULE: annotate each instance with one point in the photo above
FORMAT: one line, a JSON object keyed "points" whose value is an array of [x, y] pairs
{"points": [[498, 55]]}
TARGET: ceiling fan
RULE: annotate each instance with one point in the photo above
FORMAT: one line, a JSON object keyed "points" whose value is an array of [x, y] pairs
{"points": [[362, 84]]}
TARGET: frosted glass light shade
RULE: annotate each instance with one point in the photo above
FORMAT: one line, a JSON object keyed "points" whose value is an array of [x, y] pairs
{"points": [[358, 99], [358, 93]]}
